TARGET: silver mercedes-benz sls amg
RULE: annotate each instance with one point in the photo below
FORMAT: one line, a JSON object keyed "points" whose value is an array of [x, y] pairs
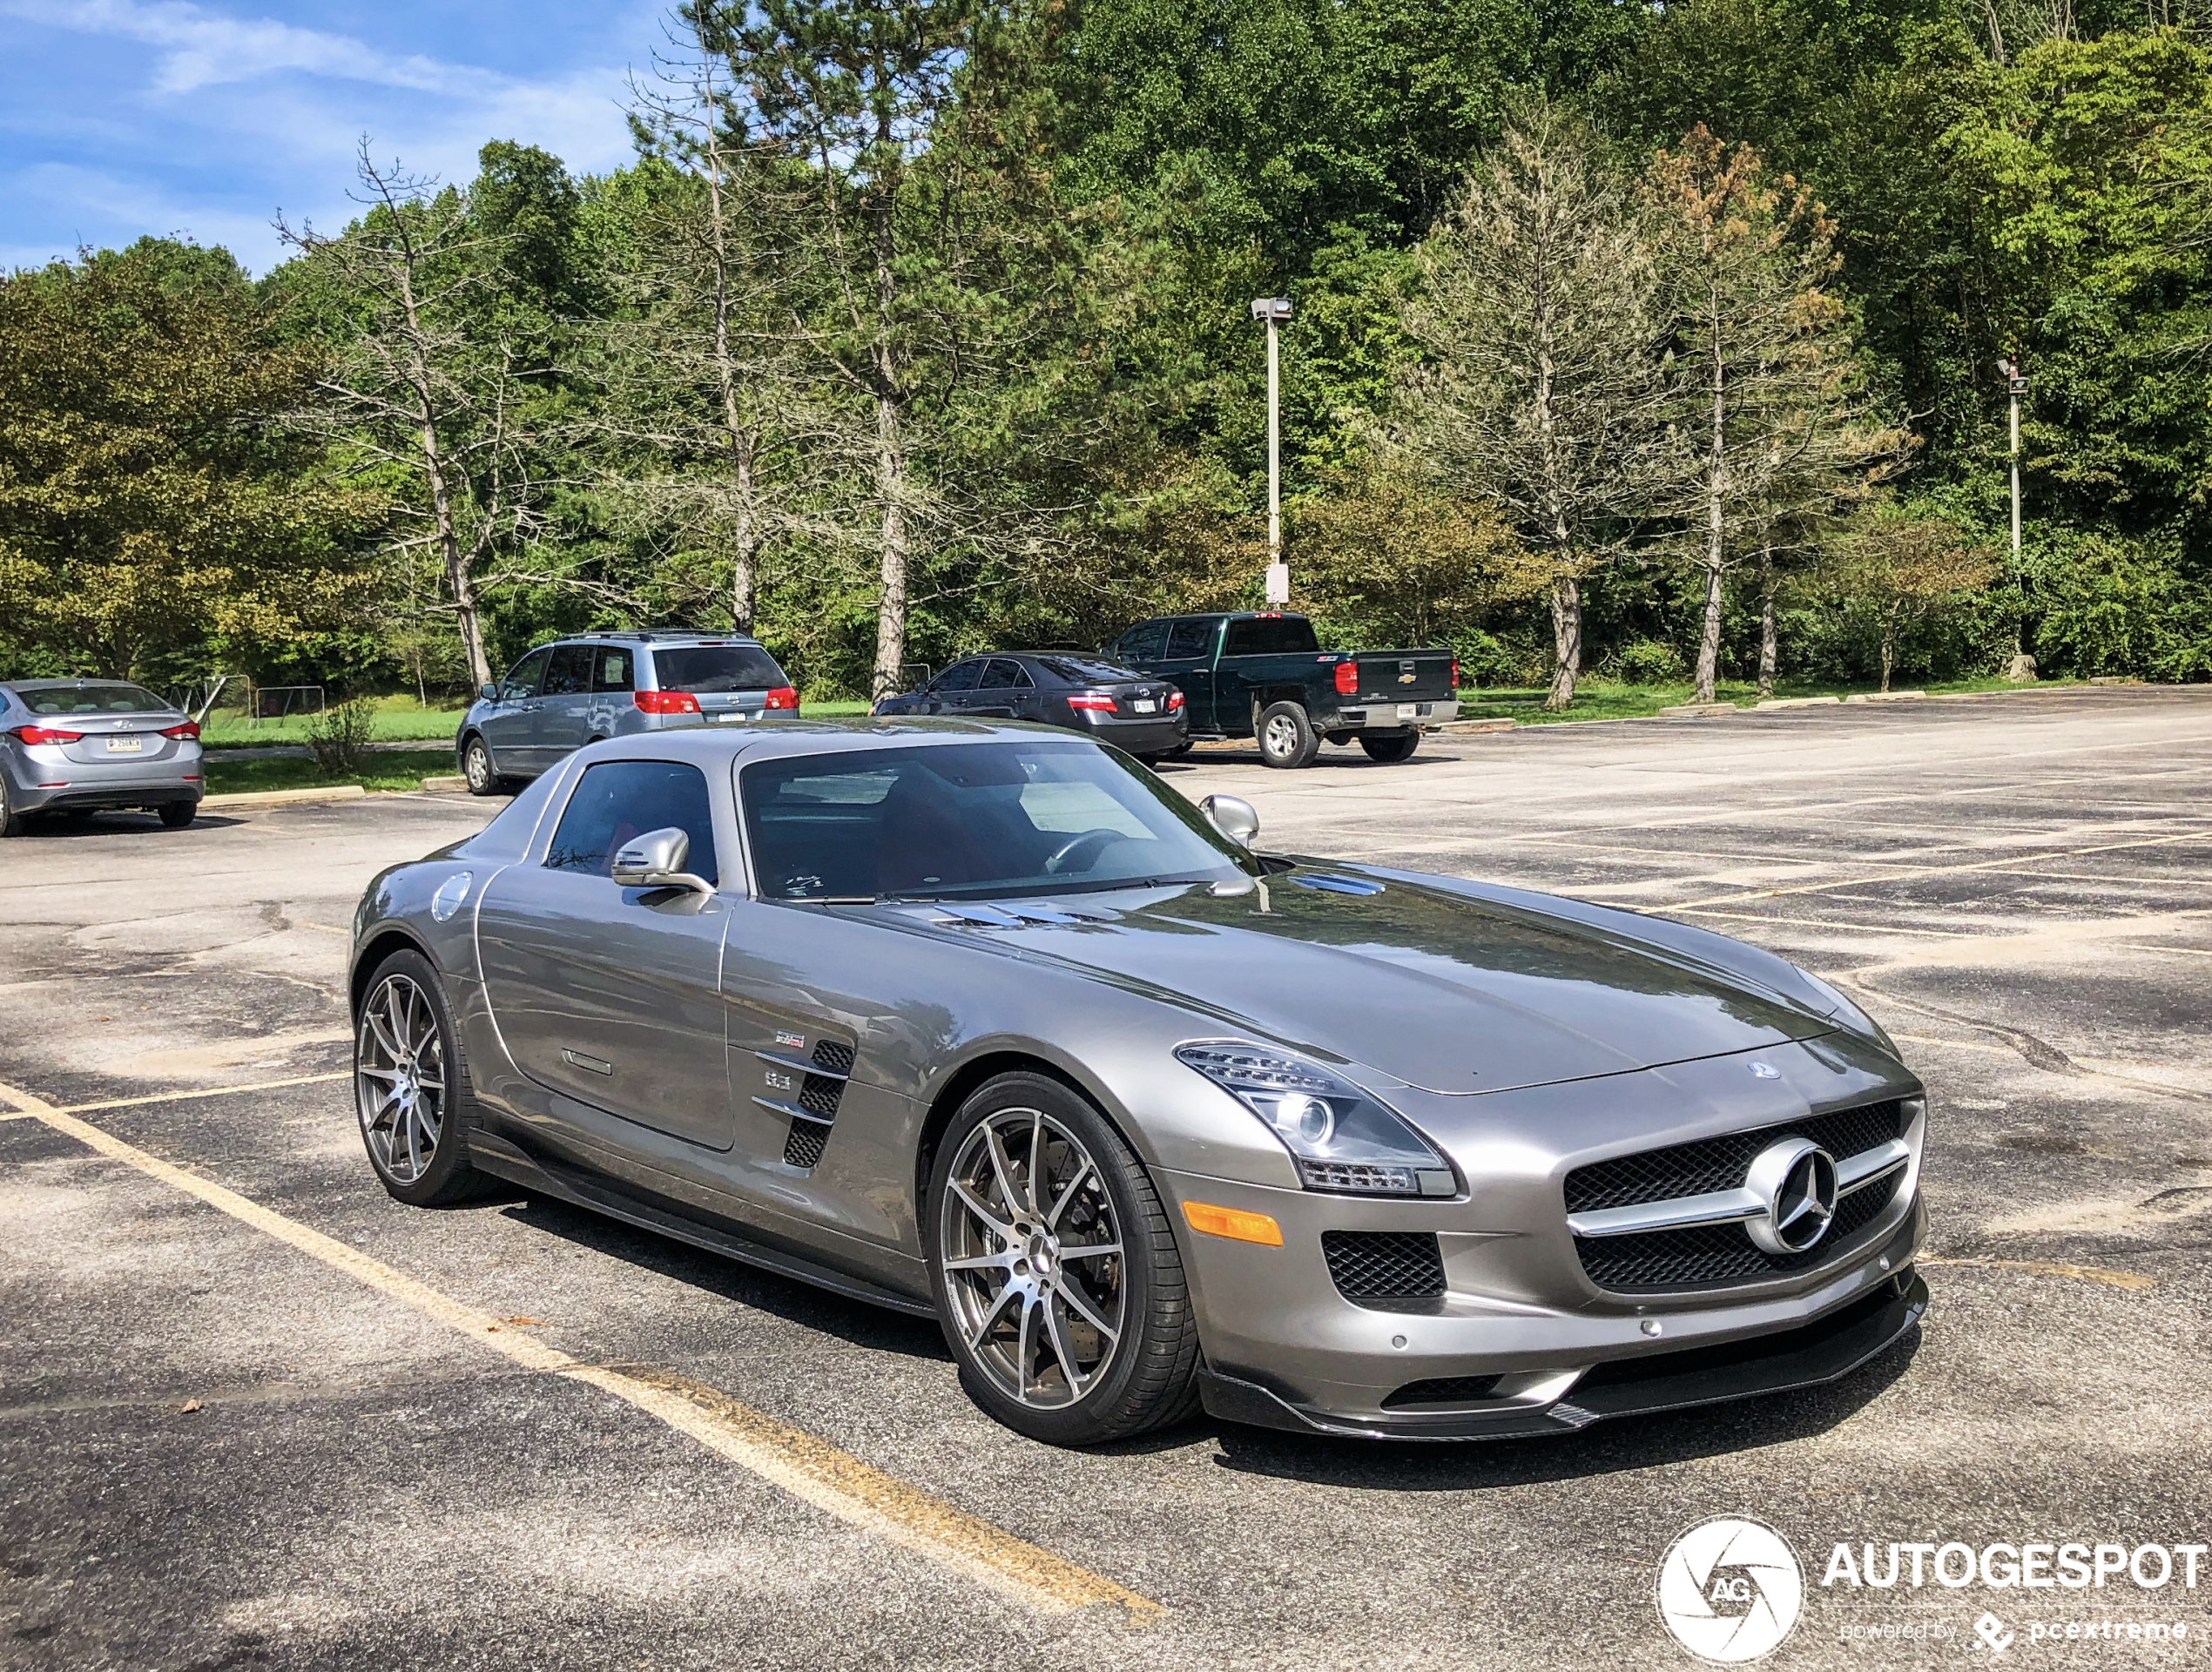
{"points": [[987, 1023]]}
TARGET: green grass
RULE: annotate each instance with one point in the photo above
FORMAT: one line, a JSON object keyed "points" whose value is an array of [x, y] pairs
{"points": [[1605, 699], [407, 723], [393, 769]]}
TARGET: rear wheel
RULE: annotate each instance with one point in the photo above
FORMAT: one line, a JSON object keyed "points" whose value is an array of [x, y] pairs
{"points": [[10, 821], [410, 1086], [175, 815], [1057, 1279], [1391, 747], [1286, 737], [476, 768]]}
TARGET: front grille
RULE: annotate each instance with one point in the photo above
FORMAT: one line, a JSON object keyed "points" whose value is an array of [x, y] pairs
{"points": [[835, 1056], [1384, 1264], [819, 1095], [1443, 1390], [1720, 1163], [803, 1148], [1706, 1255]]}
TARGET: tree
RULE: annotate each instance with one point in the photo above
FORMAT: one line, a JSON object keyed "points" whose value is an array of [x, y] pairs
{"points": [[154, 506], [1905, 569], [1537, 388], [428, 393], [1760, 358]]}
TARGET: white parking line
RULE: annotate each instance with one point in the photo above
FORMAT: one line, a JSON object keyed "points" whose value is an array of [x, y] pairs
{"points": [[807, 1468]]}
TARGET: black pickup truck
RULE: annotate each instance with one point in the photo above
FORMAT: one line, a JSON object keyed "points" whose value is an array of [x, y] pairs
{"points": [[1265, 676]]}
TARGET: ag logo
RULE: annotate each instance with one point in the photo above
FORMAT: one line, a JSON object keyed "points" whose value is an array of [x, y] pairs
{"points": [[1730, 1590]]}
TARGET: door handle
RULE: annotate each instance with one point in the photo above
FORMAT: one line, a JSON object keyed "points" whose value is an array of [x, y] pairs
{"points": [[584, 1061]]}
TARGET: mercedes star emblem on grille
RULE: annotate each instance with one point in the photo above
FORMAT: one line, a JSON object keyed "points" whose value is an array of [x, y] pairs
{"points": [[1796, 1178]]}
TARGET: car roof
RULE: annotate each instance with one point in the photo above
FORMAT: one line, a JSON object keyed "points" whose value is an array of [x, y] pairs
{"points": [[77, 683], [668, 638], [781, 739]]}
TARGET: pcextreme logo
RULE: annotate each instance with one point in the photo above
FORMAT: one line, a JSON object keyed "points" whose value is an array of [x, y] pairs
{"points": [[1730, 1590]]}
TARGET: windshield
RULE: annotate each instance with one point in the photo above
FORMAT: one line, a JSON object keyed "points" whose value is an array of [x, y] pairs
{"points": [[717, 667], [969, 821], [92, 699]]}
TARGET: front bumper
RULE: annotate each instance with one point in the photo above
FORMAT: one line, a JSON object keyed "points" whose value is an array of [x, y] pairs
{"points": [[1826, 1350]]}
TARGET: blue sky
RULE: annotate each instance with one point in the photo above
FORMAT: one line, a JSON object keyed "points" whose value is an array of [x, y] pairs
{"points": [[120, 118]]}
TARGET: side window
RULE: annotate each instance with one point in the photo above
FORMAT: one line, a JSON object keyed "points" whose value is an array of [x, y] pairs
{"points": [[961, 676], [610, 670], [619, 800], [1005, 675], [1143, 643], [570, 672], [522, 678], [1191, 639]]}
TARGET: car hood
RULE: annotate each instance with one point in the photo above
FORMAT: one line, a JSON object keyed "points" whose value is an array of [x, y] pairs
{"points": [[1434, 989]]}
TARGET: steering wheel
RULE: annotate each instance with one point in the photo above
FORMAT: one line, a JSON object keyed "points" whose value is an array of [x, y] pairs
{"points": [[1081, 852]]}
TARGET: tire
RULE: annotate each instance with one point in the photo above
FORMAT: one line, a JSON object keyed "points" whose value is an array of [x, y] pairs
{"points": [[1391, 747], [1146, 1376], [1179, 751], [415, 1124], [476, 767], [10, 821], [176, 815], [1286, 737]]}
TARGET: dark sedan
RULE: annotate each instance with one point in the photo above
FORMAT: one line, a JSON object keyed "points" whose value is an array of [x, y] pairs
{"points": [[1137, 714]]}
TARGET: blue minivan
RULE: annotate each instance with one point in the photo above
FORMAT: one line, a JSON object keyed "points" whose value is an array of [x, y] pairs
{"points": [[578, 691]]}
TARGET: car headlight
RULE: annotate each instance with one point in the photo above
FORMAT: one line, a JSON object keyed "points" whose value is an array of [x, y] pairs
{"points": [[1847, 1012], [1343, 1139]]}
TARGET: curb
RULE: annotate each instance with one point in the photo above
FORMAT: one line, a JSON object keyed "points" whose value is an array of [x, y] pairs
{"points": [[1797, 702], [281, 797], [1887, 696], [1468, 728], [1697, 712], [445, 786]]}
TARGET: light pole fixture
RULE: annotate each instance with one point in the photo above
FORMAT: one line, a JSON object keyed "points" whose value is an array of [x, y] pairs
{"points": [[1274, 310]]}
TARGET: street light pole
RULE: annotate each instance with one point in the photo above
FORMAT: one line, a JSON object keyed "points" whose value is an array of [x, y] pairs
{"points": [[1273, 310], [2014, 372]]}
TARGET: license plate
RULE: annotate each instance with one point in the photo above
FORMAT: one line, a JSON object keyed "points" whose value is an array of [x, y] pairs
{"points": [[1409, 710], [1144, 705], [126, 745], [734, 714]]}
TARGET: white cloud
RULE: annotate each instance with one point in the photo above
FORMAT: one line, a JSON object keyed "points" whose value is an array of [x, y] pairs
{"points": [[204, 48]]}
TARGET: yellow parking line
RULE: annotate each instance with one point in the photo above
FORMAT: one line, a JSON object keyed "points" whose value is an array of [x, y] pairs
{"points": [[206, 1091], [809, 1469], [2048, 1269]]}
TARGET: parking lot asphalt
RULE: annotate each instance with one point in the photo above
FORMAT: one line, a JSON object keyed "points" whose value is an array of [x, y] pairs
{"points": [[254, 1413]]}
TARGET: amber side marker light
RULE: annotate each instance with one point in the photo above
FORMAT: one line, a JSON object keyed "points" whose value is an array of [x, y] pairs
{"points": [[1233, 1222]]}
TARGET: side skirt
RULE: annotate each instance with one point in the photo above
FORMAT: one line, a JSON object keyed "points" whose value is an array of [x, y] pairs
{"points": [[505, 1160]]}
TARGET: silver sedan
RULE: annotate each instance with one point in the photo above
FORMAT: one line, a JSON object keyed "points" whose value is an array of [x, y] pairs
{"points": [[984, 1022], [86, 745]]}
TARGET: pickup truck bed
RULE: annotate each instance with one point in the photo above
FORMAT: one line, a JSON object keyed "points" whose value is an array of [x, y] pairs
{"points": [[1248, 675]]}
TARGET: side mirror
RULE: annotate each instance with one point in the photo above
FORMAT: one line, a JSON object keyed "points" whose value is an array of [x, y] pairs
{"points": [[657, 860], [1233, 816], [489, 692]]}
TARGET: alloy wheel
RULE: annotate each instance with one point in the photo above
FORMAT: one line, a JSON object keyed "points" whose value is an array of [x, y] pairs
{"points": [[1282, 736], [476, 764], [1032, 1258], [400, 1078]]}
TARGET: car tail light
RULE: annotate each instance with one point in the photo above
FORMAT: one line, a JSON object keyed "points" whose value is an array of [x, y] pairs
{"points": [[1092, 702], [666, 702], [188, 732], [1175, 701], [783, 697], [45, 734], [1455, 673], [1347, 678]]}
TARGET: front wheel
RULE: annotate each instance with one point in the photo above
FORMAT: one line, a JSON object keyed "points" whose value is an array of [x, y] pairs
{"points": [[476, 768], [1391, 747], [1057, 1279], [409, 1086], [1287, 738]]}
